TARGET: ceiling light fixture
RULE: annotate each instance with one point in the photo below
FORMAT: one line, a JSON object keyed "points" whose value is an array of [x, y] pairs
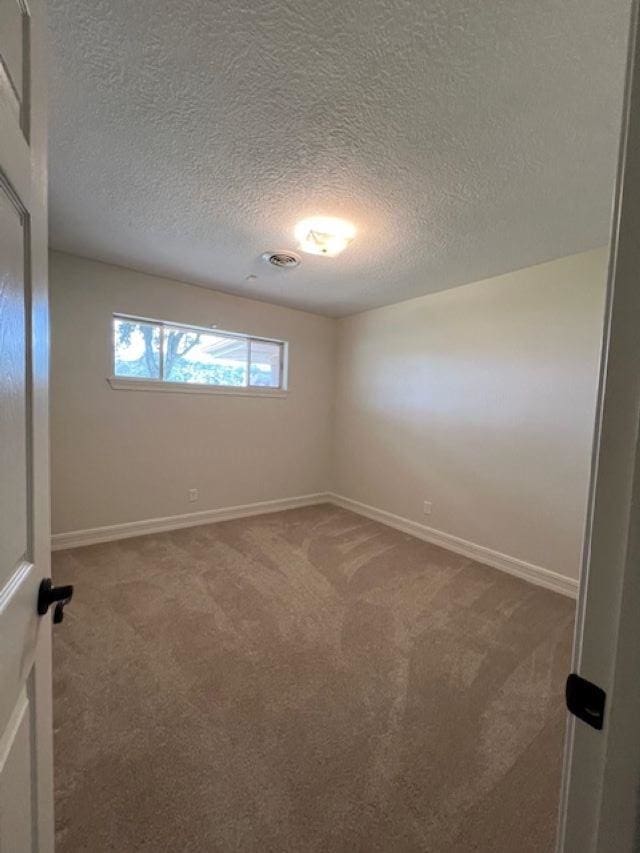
{"points": [[324, 235]]}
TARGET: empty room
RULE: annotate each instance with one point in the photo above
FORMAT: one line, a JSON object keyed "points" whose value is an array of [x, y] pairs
{"points": [[319, 420]]}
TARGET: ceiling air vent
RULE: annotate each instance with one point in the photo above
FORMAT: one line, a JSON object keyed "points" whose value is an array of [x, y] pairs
{"points": [[282, 260]]}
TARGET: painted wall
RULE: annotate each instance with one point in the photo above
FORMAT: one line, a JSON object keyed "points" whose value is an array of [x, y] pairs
{"points": [[480, 399], [121, 456]]}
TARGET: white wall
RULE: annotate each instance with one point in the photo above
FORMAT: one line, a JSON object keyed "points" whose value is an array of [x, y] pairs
{"points": [[120, 456], [480, 399]]}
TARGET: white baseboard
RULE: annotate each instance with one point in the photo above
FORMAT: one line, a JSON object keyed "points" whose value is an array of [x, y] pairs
{"points": [[95, 535], [513, 566]]}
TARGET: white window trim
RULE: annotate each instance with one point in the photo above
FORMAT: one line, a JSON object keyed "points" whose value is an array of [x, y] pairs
{"points": [[128, 383], [122, 383]]}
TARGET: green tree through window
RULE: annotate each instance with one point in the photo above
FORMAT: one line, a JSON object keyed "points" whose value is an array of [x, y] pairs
{"points": [[194, 356]]}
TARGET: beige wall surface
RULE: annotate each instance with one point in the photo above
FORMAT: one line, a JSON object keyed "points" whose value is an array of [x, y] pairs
{"points": [[120, 456], [480, 399]]}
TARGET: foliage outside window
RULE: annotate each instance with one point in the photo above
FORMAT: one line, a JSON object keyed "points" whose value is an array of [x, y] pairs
{"points": [[164, 352]]}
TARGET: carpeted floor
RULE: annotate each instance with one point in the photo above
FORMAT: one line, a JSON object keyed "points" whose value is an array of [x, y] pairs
{"points": [[305, 681]]}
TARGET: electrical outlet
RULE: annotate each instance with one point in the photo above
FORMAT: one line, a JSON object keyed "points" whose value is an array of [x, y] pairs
{"points": [[193, 495], [427, 507]]}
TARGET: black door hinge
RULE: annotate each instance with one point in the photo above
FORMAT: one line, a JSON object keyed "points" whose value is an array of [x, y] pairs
{"points": [[585, 700]]}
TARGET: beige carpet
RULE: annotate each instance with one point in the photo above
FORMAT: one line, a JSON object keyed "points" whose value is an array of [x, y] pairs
{"points": [[305, 681]]}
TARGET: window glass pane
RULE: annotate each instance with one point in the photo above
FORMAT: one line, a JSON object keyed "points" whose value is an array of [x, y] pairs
{"points": [[203, 358], [136, 348], [266, 358]]}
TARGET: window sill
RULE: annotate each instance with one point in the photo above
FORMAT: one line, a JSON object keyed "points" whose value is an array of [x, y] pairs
{"points": [[119, 383]]}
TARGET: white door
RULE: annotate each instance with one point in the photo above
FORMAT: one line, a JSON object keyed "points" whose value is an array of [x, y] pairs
{"points": [[600, 807], [26, 779]]}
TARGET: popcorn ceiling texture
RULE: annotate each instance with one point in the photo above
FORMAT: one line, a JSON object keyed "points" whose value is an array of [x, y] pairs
{"points": [[463, 139]]}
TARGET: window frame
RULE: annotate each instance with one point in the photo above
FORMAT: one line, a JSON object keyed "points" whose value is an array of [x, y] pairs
{"points": [[145, 383]]}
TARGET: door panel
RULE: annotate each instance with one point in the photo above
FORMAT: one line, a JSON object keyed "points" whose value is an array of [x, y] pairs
{"points": [[13, 390], [11, 47], [16, 818], [14, 50], [26, 779]]}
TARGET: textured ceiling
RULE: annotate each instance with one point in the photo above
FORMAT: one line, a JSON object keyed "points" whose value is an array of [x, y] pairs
{"points": [[462, 138]]}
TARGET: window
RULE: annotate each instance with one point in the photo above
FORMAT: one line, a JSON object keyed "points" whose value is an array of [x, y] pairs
{"points": [[171, 353]]}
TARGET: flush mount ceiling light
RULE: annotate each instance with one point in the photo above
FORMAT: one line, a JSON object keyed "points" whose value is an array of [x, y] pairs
{"points": [[324, 235]]}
